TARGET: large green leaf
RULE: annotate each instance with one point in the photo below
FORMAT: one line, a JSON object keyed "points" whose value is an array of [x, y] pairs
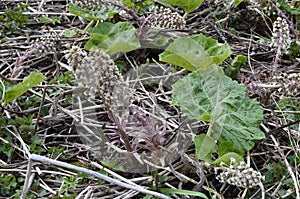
{"points": [[209, 95], [195, 52], [187, 5], [32, 80], [114, 38], [103, 12]]}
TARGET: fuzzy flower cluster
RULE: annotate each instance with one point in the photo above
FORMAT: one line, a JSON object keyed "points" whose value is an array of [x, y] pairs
{"points": [[88, 4], [96, 71], [238, 174], [92, 4], [165, 18], [281, 35], [265, 6], [46, 43], [290, 84]]}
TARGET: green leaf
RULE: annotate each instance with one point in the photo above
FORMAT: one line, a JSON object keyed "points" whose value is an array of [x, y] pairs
{"points": [[70, 33], [36, 139], [226, 147], [292, 105], [295, 49], [195, 52], [169, 191], [187, 5], [112, 165], [155, 38], [234, 68], [32, 80], [103, 12], [285, 6], [238, 2], [27, 128], [114, 38], [233, 116], [226, 158], [51, 20], [205, 146]]}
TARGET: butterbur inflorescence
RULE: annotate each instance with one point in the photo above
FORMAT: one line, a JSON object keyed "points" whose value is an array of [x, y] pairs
{"points": [[165, 18], [147, 131], [268, 7], [281, 35], [46, 43], [238, 174], [290, 84], [91, 4], [96, 71]]}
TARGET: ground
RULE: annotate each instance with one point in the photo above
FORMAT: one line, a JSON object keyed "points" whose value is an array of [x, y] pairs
{"points": [[47, 119]]}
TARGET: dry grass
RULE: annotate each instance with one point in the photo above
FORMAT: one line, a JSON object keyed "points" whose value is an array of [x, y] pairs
{"points": [[54, 133]]}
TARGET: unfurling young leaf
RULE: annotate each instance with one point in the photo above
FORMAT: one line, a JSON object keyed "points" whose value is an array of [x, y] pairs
{"points": [[234, 68], [32, 80]]}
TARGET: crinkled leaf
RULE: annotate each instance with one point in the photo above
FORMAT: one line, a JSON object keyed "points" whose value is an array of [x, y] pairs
{"points": [[114, 38], [226, 158], [204, 146], [195, 52], [187, 5], [103, 12], [32, 80], [208, 94]]}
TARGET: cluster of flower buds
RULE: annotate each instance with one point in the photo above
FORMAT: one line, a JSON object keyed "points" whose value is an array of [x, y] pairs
{"points": [[238, 174], [96, 71], [165, 18], [290, 84], [46, 43], [88, 4], [265, 6], [147, 131], [93, 5], [281, 35]]}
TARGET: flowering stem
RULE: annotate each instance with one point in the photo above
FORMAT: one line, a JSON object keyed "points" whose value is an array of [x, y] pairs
{"points": [[120, 128], [276, 61]]}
